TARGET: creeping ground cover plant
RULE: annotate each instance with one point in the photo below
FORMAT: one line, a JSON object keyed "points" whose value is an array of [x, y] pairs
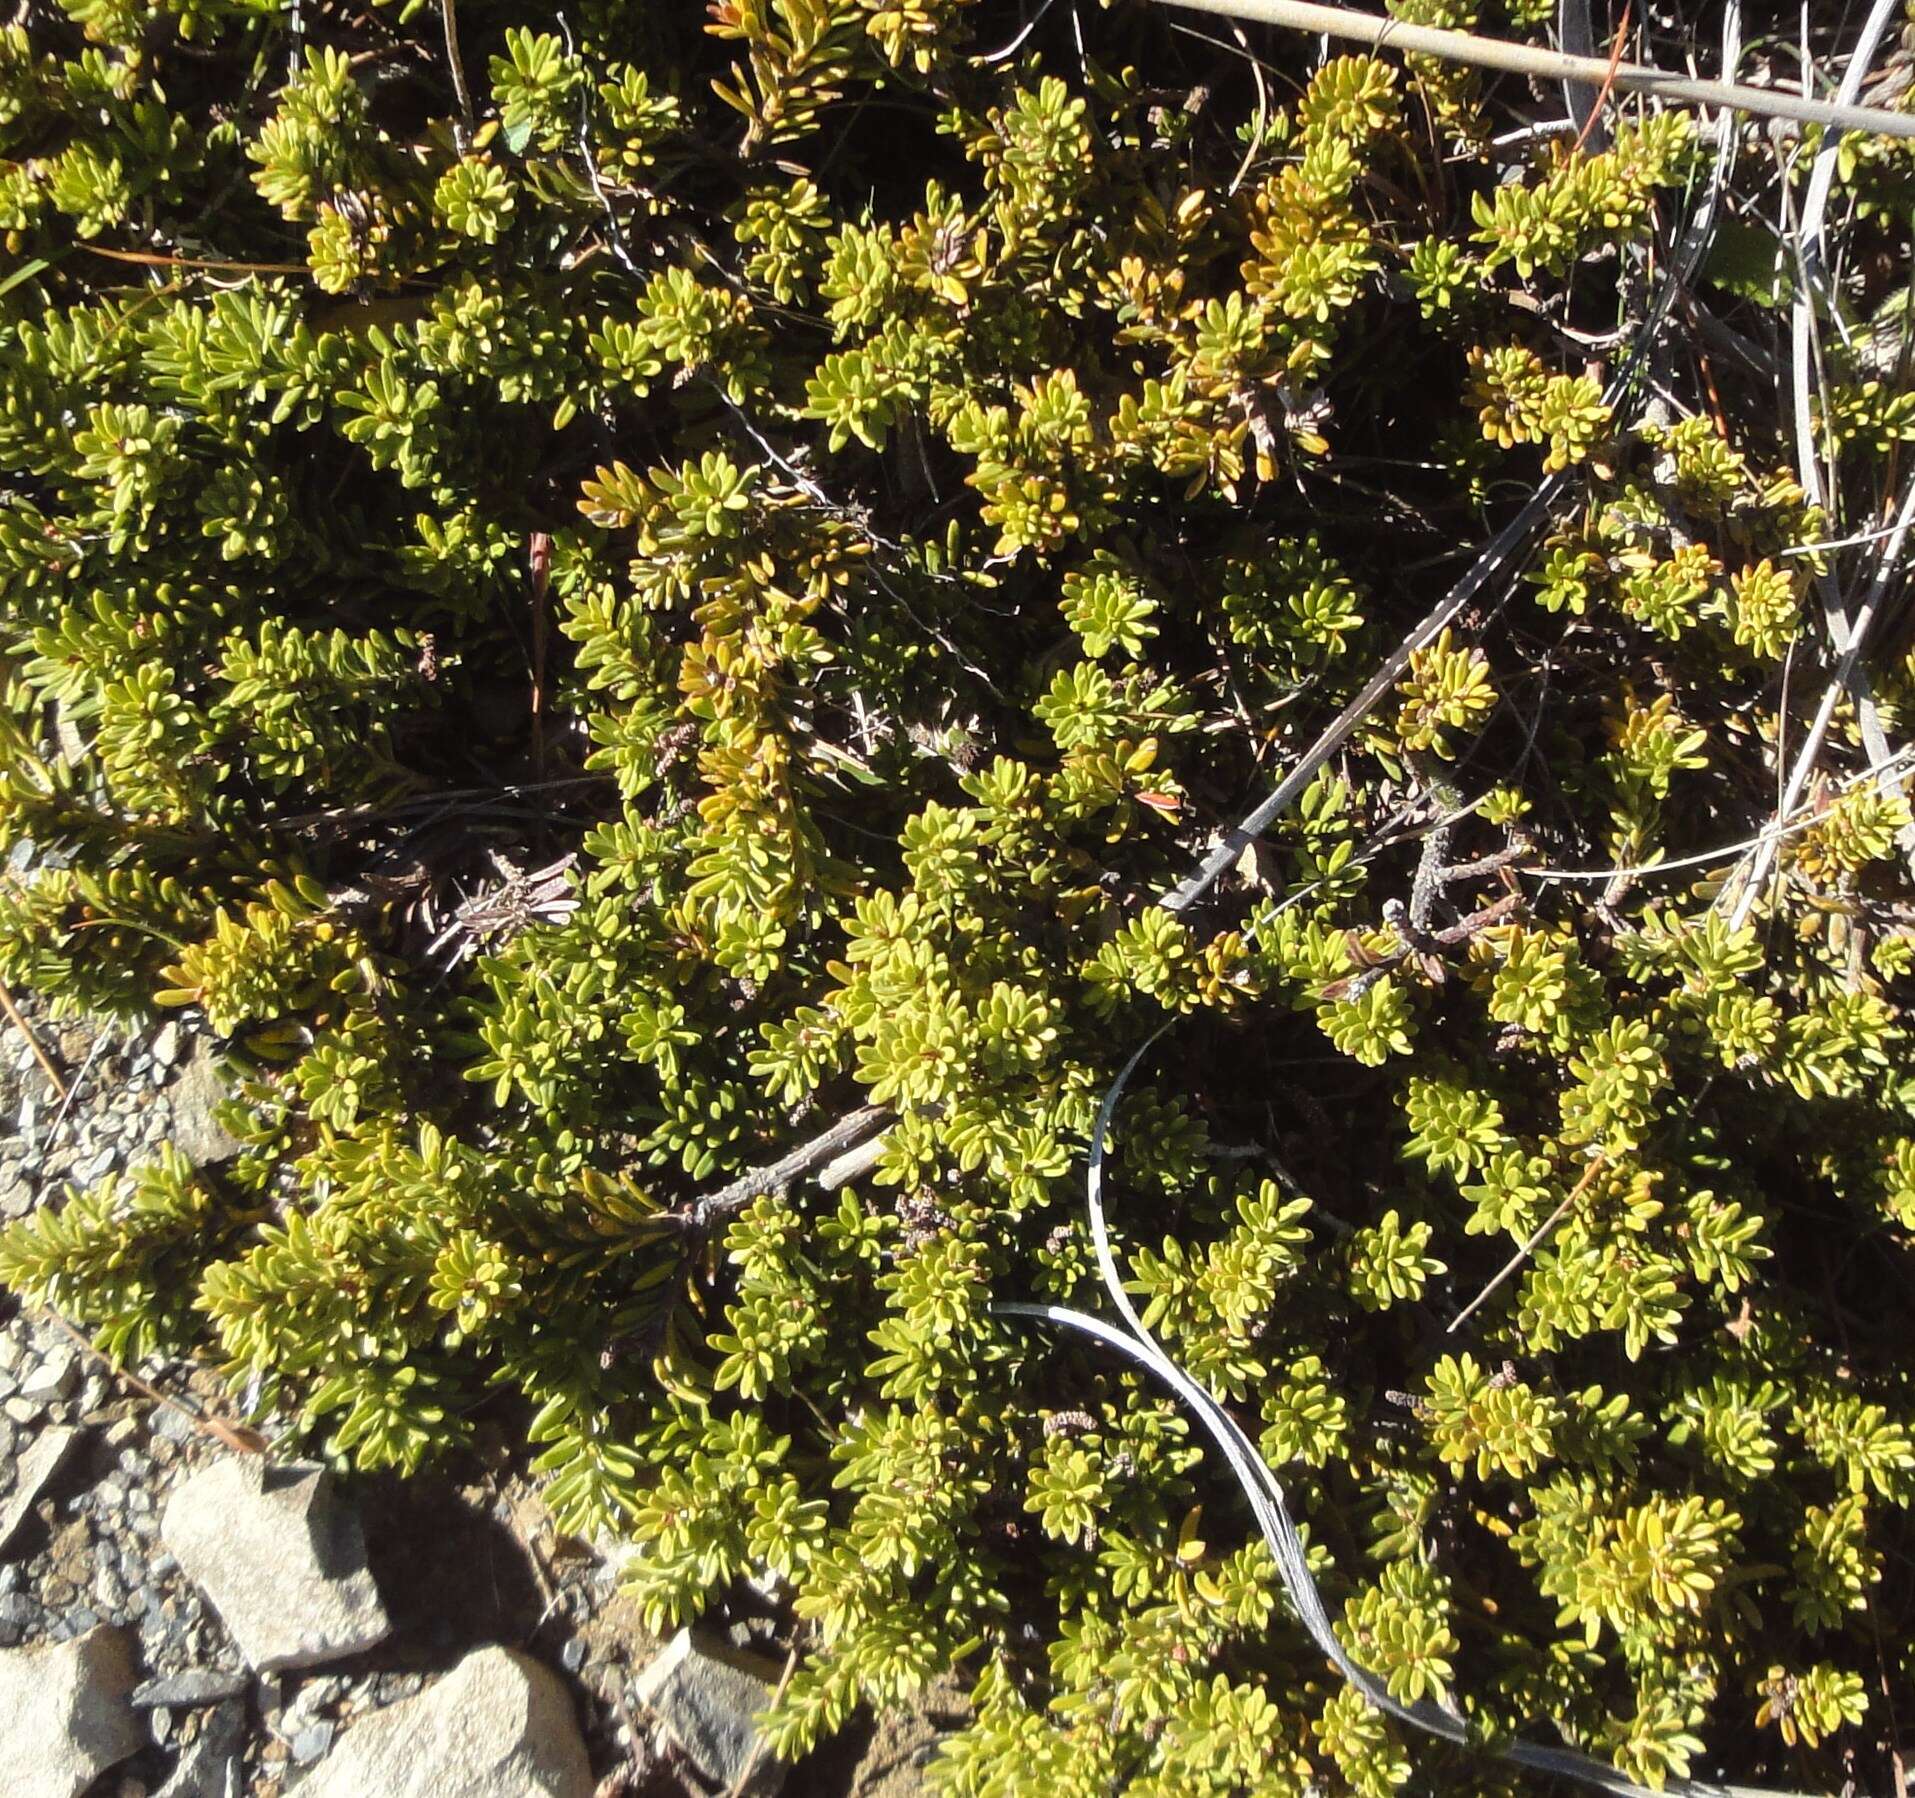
{"points": [[644, 613]]}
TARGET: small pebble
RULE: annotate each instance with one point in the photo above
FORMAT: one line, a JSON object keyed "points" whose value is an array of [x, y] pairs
{"points": [[311, 1743], [55, 1377], [572, 1655]]}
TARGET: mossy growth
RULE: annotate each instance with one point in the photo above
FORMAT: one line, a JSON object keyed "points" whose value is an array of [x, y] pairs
{"points": [[589, 628]]}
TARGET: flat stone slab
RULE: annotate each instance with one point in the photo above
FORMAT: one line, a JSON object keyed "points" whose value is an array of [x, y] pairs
{"points": [[30, 1475], [191, 1689], [64, 1715], [281, 1558], [498, 1725], [707, 1693]]}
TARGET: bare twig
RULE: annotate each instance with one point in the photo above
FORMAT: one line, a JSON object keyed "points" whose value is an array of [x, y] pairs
{"points": [[154, 259], [793, 1165], [462, 133], [1787, 822], [1553, 65], [1809, 252], [1502, 549], [33, 1042], [1016, 43], [620, 248], [742, 1783], [1261, 123], [1536, 1238], [236, 1436], [1606, 88], [1750, 890], [540, 557]]}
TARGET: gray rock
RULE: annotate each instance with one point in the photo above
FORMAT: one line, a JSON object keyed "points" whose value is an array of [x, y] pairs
{"points": [[195, 1096], [22, 1410], [30, 1475], [166, 1045], [210, 1766], [707, 1694], [198, 1685], [320, 1691], [281, 1558], [311, 1743], [497, 1726], [64, 1717], [54, 1378]]}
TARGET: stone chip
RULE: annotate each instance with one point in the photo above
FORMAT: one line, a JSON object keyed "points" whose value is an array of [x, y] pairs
{"points": [[707, 1693], [282, 1559], [498, 1725], [210, 1766], [30, 1475], [64, 1715]]}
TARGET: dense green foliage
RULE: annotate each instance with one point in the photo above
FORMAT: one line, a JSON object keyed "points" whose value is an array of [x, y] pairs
{"points": [[588, 633]]}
